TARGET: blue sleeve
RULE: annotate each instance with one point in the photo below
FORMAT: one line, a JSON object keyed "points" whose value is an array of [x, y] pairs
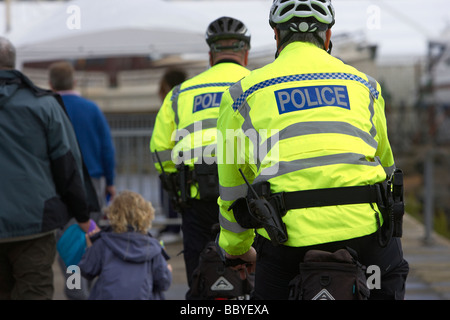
{"points": [[91, 262], [108, 151], [162, 277]]}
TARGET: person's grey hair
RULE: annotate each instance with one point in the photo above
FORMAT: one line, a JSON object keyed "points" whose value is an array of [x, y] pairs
{"points": [[7, 54], [304, 37]]}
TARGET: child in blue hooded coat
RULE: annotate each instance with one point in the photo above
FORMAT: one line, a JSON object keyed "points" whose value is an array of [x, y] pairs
{"points": [[129, 263]]}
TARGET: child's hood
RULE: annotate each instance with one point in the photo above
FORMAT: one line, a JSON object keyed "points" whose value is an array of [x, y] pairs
{"points": [[132, 246]]}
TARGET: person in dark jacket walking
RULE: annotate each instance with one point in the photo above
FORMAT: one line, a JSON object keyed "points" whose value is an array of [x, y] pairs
{"points": [[42, 182], [129, 263]]}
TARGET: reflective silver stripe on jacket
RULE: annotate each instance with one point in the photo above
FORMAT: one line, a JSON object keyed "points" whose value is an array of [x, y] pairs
{"points": [[236, 91], [175, 93], [198, 126], [230, 226], [164, 155], [203, 154], [373, 130], [233, 193], [316, 127], [285, 167], [390, 170]]}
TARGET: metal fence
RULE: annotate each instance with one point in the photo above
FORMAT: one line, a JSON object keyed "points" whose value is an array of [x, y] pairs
{"points": [[134, 168]]}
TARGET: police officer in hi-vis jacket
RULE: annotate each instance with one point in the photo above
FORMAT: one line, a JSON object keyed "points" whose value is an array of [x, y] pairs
{"points": [[312, 133], [183, 142]]}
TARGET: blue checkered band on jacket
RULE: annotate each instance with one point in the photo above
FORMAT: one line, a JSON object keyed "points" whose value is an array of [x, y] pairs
{"points": [[304, 77], [205, 85]]}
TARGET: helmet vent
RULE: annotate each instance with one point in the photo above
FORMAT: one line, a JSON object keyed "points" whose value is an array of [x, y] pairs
{"points": [[274, 10], [287, 9], [228, 26], [319, 9], [221, 26], [303, 7]]}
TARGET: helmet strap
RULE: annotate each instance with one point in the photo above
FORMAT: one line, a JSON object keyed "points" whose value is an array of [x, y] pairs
{"points": [[238, 46], [320, 40], [330, 46]]}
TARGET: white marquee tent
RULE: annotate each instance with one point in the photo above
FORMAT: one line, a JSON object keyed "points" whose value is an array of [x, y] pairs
{"points": [[86, 28], [92, 28]]}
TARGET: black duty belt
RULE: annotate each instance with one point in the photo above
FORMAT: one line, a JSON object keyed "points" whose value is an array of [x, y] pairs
{"points": [[327, 197]]}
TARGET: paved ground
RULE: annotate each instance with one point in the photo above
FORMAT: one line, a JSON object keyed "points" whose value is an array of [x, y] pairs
{"points": [[429, 277]]}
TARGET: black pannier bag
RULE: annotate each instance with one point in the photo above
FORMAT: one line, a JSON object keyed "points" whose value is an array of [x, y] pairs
{"points": [[212, 280], [330, 276]]}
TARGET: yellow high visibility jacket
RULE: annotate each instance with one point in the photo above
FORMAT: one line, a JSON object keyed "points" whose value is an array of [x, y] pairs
{"points": [[306, 121], [186, 125]]}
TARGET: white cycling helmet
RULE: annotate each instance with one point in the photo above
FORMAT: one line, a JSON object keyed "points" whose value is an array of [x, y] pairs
{"points": [[283, 11]]}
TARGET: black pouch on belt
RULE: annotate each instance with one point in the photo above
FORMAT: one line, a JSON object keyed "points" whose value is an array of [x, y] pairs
{"points": [[330, 276], [398, 209], [208, 181]]}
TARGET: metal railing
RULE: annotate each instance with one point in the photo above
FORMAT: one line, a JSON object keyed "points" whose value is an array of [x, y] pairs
{"points": [[135, 170]]}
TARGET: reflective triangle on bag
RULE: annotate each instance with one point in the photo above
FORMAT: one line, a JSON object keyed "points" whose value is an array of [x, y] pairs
{"points": [[222, 284]]}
